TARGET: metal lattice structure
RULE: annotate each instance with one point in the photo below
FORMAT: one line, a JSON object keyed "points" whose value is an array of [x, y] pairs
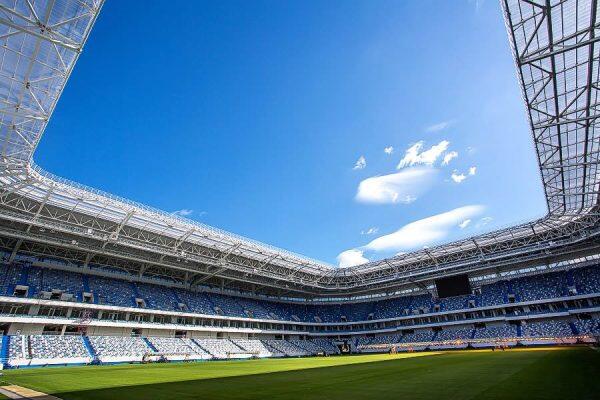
{"points": [[556, 55]]}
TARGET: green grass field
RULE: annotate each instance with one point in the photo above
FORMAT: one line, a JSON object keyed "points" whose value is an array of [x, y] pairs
{"points": [[565, 373]]}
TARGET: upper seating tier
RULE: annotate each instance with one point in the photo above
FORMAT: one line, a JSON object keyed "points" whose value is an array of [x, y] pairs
{"points": [[41, 282]]}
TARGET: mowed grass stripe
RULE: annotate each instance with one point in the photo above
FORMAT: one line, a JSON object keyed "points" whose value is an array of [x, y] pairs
{"points": [[557, 375], [564, 374], [109, 376]]}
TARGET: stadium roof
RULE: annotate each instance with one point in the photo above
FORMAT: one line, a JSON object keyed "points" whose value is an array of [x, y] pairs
{"points": [[556, 56]]}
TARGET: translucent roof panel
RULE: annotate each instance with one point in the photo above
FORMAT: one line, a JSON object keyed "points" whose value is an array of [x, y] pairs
{"points": [[41, 41], [556, 52]]}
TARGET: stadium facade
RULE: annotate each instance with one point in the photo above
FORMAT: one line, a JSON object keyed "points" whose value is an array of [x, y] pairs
{"points": [[88, 276]]}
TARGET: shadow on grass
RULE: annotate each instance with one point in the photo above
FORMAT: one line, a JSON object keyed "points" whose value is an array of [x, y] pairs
{"points": [[542, 375]]}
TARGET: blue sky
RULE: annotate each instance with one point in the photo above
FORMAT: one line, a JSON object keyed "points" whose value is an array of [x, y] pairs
{"points": [[256, 117]]}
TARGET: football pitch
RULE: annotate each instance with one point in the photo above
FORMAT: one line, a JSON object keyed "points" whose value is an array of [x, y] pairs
{"points": [[556, 373]]}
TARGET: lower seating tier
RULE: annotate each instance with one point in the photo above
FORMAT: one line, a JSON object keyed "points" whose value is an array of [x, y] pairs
{"points": [[30, 350]]}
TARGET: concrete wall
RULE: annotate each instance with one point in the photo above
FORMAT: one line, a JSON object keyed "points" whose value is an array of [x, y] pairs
{"points": [[25, 329]]}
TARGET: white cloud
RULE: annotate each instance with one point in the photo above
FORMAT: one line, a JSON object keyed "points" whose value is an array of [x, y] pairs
{"points": [[360, 163], [414, 155], [371, 231], [389, 150], [449, 156], [350, 258], [483, 222], [477, 3], [423, 232], [184, 212], [458, 177], [440, 126], [464, 224], [402, 187]]}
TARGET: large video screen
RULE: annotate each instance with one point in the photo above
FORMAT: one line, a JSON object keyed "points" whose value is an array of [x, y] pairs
{"points": [[453, 286]]}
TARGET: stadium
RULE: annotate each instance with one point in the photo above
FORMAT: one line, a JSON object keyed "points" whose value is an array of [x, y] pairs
{"points": [[128, 301]]}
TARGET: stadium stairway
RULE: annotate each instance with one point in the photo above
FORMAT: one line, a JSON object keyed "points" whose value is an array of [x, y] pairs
{"points": [[86, 283], [508, 291], [86, 288], [24, 276], [213, 306], [570, 279], [27, 340], [574, 328], [176, 298], [136, 294], [269, 347], [202, 348], [237, 345], [89, 348], [300, 347], [150, 345], [4, 350], [371, 309]]}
